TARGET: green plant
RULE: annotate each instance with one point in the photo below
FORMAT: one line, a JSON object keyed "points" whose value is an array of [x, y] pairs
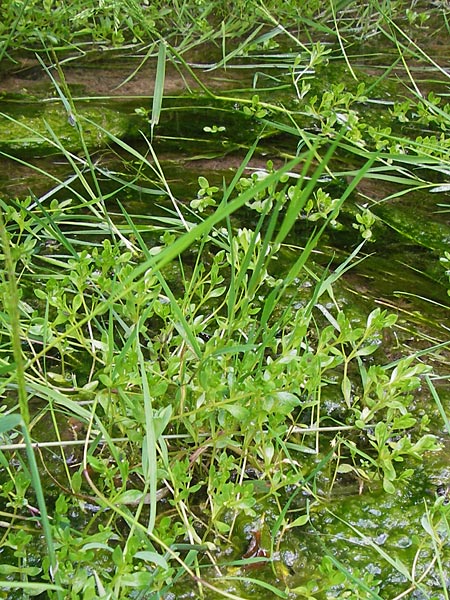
{"points": [[200, 382]]}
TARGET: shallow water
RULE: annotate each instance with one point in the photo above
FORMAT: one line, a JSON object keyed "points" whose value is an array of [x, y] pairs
{"points": [[359, 526]]}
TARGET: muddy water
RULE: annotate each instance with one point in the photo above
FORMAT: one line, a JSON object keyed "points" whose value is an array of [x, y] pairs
{"points": [[359, 527]]}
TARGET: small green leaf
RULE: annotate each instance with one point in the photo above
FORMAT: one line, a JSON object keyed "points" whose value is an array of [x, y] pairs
{"points": [[299, 522], [10, 569], [343, 468], [425, 522], [106, 380], [152, 557], [129, 497], [117, 556], [367, 350], [218, 292], [222, 527], [161, 419], [140, 579], [346, 387], [77, 302], [388, 486], [203, 182], [8, 422], [238, 412]]}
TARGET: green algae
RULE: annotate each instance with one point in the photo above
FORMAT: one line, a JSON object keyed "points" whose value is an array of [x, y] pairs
{"points": [[415, 223], [43, 129], [358, 545]]}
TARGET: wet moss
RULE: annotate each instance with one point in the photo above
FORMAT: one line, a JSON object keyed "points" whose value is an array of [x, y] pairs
{"points": [[39, 129]]}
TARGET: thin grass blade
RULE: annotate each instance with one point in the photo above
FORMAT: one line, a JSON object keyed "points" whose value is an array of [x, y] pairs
{"points": [[159, 86]]}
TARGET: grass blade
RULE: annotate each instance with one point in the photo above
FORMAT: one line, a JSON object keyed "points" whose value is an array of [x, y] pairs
{"points": [[158, 92], [12, 304], [438, 403]]}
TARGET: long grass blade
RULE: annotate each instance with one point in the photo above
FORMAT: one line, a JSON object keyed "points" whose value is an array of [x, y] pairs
{"points": [[149, 463], [438, 402], [12, 304], [158, 92]]}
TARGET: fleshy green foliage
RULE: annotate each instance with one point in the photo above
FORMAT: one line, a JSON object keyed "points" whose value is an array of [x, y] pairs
{"points": [[32, 22], [230, 404], [204, 195], [193, 379], [63, 25]]}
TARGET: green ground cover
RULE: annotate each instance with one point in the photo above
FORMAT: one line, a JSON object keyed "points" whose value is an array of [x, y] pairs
{"points": [[216, 415]]}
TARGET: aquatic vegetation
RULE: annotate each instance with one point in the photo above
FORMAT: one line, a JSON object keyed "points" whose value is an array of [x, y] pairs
{"points": [[193, 403]]}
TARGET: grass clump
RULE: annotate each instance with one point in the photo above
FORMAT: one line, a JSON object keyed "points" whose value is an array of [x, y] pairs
{"points": [[81, 27], [189, 387], [195, 404]]}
